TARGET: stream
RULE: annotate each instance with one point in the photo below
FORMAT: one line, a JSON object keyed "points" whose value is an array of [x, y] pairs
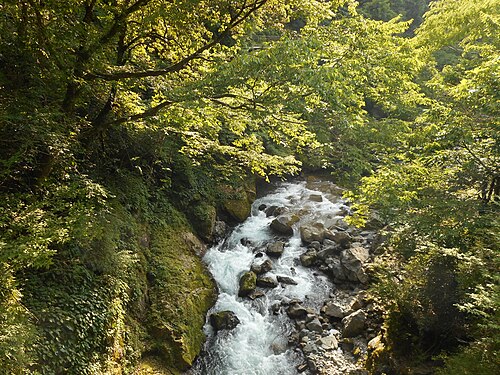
{"points": [[259, 343]]}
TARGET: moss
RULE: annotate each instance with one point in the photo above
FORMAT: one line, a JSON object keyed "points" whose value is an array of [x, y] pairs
{"points": [[181, 293]]}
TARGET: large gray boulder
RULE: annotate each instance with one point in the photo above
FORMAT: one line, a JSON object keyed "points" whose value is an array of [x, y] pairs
{"points": [[311, 233], [261, 268], [354, 324], [283, 224], [275, 249], [296, 311], [333, 310], [224, 320], [314, 326], [248, 283], [352, 260]]}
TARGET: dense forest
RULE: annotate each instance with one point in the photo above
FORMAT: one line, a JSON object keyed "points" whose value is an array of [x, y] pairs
{"points": [[129, 127]]}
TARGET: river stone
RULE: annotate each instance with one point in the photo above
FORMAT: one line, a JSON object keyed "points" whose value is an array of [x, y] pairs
{"points": [[333, 310], [328, 342], [316, 198], [283, 224], [263, 267], [256, 294], [309, 348], [275, 249], [315, 325], [354, 324], [224, 320], [296, 311], [275, 211], [311, 233], [286, 280], [308, 258], [248, 283], [342, 238], [266, 282]]}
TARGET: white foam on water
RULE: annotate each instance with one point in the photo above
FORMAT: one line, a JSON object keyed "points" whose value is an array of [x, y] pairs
{"points": [[257, 346]]}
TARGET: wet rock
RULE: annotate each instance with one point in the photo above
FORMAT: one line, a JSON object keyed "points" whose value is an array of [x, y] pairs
{"points": [[311, 233], [266, 282], [278, 347], [275, 211], [328, 343], [333, 310], [224, 320], [316, 198], [296, 311], [309, 258], [256, 294], [262, 207], [263, 267], [283, 224], [354, 324], [259, 255], [314, 325], [248, 282], [220, 230], [275, 249], [286, 280]]}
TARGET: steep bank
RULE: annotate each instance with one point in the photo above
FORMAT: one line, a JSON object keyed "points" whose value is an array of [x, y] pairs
{"points": [[130, 294]]}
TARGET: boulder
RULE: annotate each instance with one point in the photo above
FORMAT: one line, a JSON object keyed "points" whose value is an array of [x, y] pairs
{"points": [[262, 268], [309, 258], [275, 249], [354, 324], [266, 282], [283, 224], [275, 210], [224, 320], [286, 280], [296, 311], [316, 245], [333, 310], [336, 270], [314, 325], [328, 343], [248, 283], [316, 198], [343, 239], [352, 260], [311, 233]]}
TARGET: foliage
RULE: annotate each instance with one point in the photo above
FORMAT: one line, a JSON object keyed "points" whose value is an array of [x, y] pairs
{"points": [[440, 196]]}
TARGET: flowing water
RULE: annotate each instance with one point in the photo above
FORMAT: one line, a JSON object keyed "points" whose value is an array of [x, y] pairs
{"points": [[258, 345]]}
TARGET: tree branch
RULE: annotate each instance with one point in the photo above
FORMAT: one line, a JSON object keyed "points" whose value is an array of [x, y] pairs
{"points": [[244, 12]]}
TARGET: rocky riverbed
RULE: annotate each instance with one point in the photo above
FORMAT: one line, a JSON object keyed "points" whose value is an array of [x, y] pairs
{"points": [[305, 270]]}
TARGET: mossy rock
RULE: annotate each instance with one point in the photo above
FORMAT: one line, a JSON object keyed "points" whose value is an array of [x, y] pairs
{"points": [[203, 216], [239, 204], [181, 293], [248, 283]]}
